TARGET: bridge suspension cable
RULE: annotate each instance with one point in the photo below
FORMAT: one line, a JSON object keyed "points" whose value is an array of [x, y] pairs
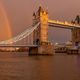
{"points": [[21, 36]]}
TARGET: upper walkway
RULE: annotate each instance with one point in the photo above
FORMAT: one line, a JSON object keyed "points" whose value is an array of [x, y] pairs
{"points": [[65, 24]]}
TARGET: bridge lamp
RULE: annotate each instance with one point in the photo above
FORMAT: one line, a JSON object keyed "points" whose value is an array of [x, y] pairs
{"points": [[11, 42], [17, 48], [56, 43]]}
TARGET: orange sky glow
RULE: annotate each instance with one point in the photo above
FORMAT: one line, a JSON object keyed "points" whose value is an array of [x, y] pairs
{"points": [[17, 16]]}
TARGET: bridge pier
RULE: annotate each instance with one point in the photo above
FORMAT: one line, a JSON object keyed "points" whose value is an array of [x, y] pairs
{"points": [[43, 49]]}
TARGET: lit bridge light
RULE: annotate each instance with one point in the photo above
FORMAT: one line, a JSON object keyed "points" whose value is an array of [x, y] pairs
{"points": [[67, 24]]}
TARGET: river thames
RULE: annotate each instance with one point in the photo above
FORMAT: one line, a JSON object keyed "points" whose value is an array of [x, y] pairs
{"points": [[20, 66]]}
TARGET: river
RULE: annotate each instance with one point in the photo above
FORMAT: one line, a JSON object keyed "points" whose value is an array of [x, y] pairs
{"points": [[20, 66]]}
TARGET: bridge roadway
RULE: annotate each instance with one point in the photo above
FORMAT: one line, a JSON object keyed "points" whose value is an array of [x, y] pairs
{"points": [[18, 45]]}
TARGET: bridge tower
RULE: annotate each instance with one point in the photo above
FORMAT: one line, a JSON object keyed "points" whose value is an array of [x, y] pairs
{"points": [[40, 35], [76, 36]]}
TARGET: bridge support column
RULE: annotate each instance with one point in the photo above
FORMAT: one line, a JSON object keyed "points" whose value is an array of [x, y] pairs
{"points": [[76, 36], [44, 49]]}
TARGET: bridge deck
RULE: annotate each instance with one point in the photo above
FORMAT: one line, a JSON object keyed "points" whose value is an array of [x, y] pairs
{"points": [[18, 45]]}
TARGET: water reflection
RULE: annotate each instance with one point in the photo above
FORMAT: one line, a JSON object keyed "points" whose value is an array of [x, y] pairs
{"points": [[20, 66]]}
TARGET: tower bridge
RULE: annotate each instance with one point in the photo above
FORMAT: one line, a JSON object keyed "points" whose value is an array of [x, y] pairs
{"points": [[39, 30]]}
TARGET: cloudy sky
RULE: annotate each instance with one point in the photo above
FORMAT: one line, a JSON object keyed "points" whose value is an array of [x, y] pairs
{"points": [[19, 14]]}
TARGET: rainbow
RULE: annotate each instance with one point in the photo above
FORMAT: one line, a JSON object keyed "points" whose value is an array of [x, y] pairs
{"points": [[6, 21]]}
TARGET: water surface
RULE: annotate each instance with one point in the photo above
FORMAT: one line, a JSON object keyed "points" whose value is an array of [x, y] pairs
{"points": [[20, 66]]}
